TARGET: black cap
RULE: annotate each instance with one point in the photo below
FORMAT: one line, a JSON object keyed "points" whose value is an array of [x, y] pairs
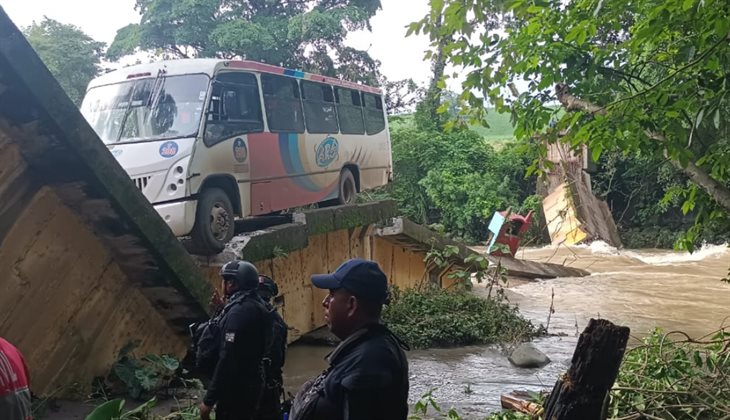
{"points": [[362, 278]]}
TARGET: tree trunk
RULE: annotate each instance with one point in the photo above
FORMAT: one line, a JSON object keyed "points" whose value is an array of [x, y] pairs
{"points": [[432, 100], [581, 392], [700, 177], [717, 191]]}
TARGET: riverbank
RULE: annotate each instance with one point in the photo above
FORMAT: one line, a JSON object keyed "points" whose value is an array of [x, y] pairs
{"points": [[638, 288]]}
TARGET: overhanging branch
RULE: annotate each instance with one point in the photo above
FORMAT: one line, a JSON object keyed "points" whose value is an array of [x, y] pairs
{"points": [[699, 176]]}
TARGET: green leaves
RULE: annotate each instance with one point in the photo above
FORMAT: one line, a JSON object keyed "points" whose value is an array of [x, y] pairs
{"points": [[672, 376], [114, 410], [71, 56], [146, 375], [110, 410], [435, 317], [657, 70], [295, 34]]}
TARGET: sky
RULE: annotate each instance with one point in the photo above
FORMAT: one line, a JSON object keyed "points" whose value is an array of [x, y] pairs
{"points": [[401, 57]]}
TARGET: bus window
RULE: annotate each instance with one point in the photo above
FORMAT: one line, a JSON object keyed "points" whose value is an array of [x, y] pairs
{"points": [[234, 107], [349, 111], [283, 106], [374, 118], [319, 108]]}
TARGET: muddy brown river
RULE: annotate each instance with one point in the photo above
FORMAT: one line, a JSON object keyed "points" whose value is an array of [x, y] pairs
{"points": [[641, 289]]}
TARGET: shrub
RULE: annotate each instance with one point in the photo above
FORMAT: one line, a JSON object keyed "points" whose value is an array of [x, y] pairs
{"points": [[453, 317], [686, 379]]}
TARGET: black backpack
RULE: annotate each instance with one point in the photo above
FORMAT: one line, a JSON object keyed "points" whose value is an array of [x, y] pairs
{"points": [[275, 351], [207, 340]]}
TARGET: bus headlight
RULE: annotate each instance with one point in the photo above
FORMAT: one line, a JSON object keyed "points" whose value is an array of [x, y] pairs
{"points": [[175, 180]]}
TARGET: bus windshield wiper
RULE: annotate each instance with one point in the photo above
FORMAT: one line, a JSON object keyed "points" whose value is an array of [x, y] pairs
{"points": [[156, 92]]}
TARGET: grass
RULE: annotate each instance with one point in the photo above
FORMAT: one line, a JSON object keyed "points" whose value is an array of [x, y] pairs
{"points": [[500, 128]]}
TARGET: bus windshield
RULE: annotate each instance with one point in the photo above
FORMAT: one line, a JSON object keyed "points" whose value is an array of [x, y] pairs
{"points": [[147, 109]]}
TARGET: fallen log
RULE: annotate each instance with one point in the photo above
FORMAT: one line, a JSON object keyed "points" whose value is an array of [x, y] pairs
{"points": [[580, 393]]}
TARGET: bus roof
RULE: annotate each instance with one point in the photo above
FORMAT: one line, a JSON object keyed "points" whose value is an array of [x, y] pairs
{"points": [[210, 66]]}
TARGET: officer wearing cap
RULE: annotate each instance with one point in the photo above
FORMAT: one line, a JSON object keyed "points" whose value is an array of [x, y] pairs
{"points": [[367, 376], [238, 338]]}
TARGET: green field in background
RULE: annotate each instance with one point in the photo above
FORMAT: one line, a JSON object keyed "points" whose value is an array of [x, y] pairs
{"points": [[499, 130]]}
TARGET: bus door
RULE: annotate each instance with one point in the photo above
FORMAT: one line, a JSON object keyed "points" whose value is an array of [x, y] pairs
{"points": [[234, 111]]}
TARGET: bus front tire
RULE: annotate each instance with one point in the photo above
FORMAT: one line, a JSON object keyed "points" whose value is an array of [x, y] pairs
{"points": [[214, 222]]}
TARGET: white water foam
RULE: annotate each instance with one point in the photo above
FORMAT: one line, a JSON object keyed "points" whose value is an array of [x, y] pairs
{"points": [[674, 257]]}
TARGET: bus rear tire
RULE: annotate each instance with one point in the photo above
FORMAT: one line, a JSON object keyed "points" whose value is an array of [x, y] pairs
{"points": [[214, 222], [346, 192], [348, 188]]}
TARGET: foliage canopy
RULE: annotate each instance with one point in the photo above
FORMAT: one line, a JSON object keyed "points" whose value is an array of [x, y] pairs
{"points": [[72, 56], [647, 77], [305, 34]]}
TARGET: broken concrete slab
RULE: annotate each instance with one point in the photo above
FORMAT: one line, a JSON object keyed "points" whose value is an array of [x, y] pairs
{"points": [[87, 264], [417, 237], [282, 239]]}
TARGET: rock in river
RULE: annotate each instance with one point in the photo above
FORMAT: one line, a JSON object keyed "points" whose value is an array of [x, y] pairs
{"points": [[528, 356]]}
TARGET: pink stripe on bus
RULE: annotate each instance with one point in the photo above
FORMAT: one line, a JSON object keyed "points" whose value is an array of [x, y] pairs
{"points": [[268, 68]]}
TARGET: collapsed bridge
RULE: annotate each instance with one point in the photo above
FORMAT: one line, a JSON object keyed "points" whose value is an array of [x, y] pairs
{"points": [[88, 266]]}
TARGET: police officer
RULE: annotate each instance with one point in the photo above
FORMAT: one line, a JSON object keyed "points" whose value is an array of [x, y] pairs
{"points": [[367, 376], [275, 356], [241, 333]]}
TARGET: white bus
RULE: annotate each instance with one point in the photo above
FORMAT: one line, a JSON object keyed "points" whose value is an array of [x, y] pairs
{"points": [[207, 140]]}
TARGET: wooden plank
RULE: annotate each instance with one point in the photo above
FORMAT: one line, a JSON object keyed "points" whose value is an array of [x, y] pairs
{"points": [[401, 268], [382, 253], [338, 249], [416, 270], [518, 402]]}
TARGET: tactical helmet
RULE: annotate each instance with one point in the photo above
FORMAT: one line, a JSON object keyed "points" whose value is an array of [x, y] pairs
{"points": [[243, 273], [267, 287]]}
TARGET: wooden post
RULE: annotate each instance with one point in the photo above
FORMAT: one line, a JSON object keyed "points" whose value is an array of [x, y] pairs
{"points": [[581, 392]]}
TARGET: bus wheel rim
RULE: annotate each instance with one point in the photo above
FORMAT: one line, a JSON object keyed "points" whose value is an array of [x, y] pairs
{"points": [[219, 221]]}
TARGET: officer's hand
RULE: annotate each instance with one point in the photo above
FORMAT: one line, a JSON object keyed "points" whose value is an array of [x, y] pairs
{"points": [[216, 302], [204, 411]]}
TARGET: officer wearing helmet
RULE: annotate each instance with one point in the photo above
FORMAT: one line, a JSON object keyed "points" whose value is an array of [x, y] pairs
{"points": [[233, 346]]}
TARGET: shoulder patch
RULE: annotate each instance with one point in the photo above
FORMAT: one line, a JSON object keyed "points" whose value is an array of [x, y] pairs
{"points": [[230, 337]]}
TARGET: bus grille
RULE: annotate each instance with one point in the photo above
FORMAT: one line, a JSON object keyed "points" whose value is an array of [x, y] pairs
{"points": [[141, 182]]}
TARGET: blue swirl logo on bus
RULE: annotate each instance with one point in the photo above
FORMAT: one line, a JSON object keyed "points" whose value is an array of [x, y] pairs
{"points": [[168, 149], [327, 152]]}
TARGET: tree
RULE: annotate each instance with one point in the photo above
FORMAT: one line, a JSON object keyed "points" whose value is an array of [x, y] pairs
{"points": [[303, 34], [401, 96], [456, 178], [647, 77], [72, 56]]}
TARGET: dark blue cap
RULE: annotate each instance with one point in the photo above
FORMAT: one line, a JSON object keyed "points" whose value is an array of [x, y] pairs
{"points": [[362, 278]]}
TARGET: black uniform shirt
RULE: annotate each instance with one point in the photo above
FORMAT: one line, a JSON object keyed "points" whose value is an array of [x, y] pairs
{"points": [[367, 379], [237, 379]]}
